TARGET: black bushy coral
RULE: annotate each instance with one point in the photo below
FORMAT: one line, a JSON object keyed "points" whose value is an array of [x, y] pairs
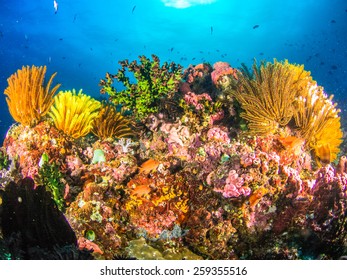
{"points": [[32, 225]]}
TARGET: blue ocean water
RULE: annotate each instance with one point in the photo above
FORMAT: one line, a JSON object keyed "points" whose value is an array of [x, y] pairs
{"points": [[83, 40]]}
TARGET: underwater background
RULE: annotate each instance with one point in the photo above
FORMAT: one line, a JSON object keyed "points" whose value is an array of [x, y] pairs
{"points": [[85, 39], [223, 136]]}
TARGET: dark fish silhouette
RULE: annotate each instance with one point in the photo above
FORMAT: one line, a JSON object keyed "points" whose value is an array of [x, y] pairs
{"points": [[74, 18], [334, 67], [333, 21], [256, 26], [132, 11], [211, 30], [171, 49]]}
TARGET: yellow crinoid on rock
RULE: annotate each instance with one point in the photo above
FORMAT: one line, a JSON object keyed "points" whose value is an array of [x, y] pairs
{"points": [[267, 93], [277, 95], [74, 113], [111, 124], [27, 98], [317, 121]]}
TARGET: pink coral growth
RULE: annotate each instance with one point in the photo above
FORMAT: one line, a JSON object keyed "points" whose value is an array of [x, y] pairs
{"points": [[194, 99], [221, 69], [194, 72], [217, 134], [234, 186]]}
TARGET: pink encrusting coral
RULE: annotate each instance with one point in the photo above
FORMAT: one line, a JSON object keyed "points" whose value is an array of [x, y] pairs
{"points": [[218, 134], [197, 100], [221, 72], [234, 186]]}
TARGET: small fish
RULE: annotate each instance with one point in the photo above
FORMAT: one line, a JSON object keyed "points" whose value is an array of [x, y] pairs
{"points": [[323, 155], [334, 67], [256, 197], [141, 191], [55, 5], [171, 49], [333, 21], [132, 11], [49, 60], [256, 26], [211, 30], [74, 18], [292, 143], [60, 39], [149, 166]]}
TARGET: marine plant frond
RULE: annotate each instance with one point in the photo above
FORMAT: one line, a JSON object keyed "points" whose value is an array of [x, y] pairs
{"points": [[111, 124], [266, 94], [74, 113], [317, 121], [28, 99]]}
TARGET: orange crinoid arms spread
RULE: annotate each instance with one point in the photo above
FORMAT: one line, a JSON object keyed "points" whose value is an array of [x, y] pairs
{"points": [[27, 98]]}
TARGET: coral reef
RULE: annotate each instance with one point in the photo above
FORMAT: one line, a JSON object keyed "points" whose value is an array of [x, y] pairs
{"points": [[214, 163], [27, 98]]}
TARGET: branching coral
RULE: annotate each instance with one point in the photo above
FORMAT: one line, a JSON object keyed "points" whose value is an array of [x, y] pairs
{"points": [[110, 124], [153, 82], [27, 98], [74, 113]]}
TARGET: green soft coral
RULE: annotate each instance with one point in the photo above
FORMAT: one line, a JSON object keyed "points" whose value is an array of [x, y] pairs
{"points": [[50, 176], [153, 82]]}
